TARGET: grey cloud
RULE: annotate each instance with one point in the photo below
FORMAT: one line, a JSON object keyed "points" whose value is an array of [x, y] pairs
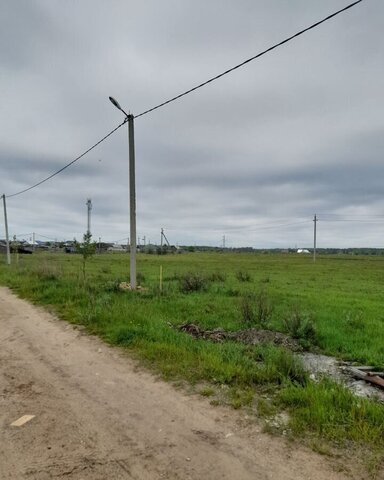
{"points": [[296, 132]]}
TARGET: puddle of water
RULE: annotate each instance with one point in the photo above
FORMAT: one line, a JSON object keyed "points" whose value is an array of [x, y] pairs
{"points": [[321, 365]]}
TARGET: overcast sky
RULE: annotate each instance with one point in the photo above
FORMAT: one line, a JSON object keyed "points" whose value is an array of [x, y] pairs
{"points": [[252, 156]]}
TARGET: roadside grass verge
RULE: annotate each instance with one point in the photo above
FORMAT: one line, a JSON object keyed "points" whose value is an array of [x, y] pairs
{"points": [[334, 306], [330, 411]]}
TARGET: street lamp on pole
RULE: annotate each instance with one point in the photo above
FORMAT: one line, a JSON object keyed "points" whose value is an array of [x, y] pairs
{"points": [[132, 192]]}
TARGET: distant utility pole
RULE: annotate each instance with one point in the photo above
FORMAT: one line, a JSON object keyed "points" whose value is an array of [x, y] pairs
{"points": [[89, 208], [163, 237], [314, 237], [6, 232], [223, 241]]}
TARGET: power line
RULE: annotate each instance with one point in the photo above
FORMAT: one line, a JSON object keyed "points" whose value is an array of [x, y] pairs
{"points": [[23, 234], [248, 228], [44, 236], [265, 227], [249, 59], [68, 164], [121, 239], [351, 220], [187, 92], [350, 215]]}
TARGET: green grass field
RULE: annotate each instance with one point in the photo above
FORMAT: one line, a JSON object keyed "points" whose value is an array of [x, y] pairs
{"points": [[334, 306]]}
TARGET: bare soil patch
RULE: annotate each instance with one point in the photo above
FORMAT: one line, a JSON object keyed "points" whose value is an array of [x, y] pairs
{"points": [[251, 336]]}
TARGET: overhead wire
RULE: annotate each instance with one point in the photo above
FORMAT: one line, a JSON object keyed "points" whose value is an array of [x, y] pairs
{"points": [[210, 80], [261, 227], [23, 234], [68, 164], [251, 228], [350, 220], [349, 215], [44, 236]]}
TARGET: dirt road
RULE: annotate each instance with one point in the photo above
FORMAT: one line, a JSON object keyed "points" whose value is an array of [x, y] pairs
{"points": [[98, 416]]}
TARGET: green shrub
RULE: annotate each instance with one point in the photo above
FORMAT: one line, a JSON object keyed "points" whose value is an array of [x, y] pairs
{"points": [[256, 309], [264, 308], [281, 365], [300, 325], [247, 310], [193, 282], [243, 276], [113, 285], [217, 277]]}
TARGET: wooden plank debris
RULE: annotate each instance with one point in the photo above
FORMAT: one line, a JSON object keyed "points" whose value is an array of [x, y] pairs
{"points": [[376, 378], [22, 420]]}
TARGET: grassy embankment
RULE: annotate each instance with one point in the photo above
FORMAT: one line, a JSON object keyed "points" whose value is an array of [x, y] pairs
{"points": [[334, 306]]}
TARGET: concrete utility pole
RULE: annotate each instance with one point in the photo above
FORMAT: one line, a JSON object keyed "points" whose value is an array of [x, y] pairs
{"points": [[314, 237], [89, 208], [132, 193], [132, 201], [6, 232]]}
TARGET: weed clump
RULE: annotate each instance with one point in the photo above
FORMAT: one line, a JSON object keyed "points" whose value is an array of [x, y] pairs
{"points": [[217, 277], [140, 278], [48, 271], [193, 282], [256, 309], [113, 285], [289, 367], [232, 292], [243, 276], [354, 320], [247, 310], [278, 366], [300, 325]]}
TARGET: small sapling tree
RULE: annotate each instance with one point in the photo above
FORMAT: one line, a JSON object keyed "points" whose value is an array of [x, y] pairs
{"points": [[87, 249]]}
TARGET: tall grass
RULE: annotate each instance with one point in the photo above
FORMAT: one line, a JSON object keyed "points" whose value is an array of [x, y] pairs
{"points": [[333, 412]]}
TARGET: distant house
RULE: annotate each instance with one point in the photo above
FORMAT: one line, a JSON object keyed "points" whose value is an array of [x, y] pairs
{"points": [[116, 248], [31, 243], [3, 247], [303, 250], [18, 247]]}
